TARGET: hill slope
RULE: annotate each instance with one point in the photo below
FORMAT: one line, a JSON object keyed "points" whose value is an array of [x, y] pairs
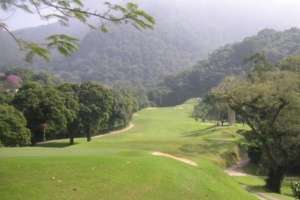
{"points": [[225, 61], [122, 167], [186, 32]]}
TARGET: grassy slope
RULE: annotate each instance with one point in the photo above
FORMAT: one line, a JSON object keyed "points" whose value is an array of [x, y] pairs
{"points": [[122, 167]]}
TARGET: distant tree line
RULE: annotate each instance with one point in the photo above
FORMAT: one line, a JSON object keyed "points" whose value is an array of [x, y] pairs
{"points": [[36, 107]]}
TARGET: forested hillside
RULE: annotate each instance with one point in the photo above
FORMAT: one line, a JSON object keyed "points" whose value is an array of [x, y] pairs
{"points": [[185, 32], [226, 61]]}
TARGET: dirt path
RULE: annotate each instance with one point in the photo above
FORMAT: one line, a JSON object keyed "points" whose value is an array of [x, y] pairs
{"points": [[237, 170], [131, 125], [184, 160], [264, 196]]}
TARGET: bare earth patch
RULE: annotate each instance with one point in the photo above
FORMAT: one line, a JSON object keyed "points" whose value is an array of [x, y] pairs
{"points": [[184, 160], [236, 170]]}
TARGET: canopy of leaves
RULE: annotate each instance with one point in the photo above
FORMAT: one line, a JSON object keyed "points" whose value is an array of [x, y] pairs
{"points": [[269, 102], [13, 131], [42, 105]]}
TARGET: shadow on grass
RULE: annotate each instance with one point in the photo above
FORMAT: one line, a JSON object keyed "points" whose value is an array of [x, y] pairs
{"points": [[54, 144], [201, 132], [253, 188], [214, 147]]}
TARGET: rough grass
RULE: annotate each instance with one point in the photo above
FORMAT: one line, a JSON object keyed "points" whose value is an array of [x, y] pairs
{"points": [[256, 184], [121, 167]]}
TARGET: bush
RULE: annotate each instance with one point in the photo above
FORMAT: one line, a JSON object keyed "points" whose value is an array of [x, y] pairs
{"points": [[296, 189], [13, 131]]}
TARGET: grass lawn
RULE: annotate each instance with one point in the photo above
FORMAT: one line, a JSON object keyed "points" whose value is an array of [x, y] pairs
{"points": [[121, 167]]}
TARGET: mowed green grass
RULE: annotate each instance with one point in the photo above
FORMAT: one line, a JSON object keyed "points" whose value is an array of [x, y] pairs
{"points": [[121, 167]]}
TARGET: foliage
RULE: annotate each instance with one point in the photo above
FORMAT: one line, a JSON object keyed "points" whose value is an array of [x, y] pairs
{"points": [[269, 102], [5, 97], [234, 59], [55, 110], [123, 107], [296, 189], [95, 108], [42, 106], [13, 131], [27, 75], [66, 10], [211, 109], [127, 54], [69, 93]]}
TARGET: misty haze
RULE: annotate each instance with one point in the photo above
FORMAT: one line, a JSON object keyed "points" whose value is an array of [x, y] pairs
{"points": [[150, 99]]}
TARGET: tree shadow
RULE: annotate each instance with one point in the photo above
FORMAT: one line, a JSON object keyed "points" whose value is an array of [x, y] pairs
{"points": [[55, 144], [205, 147], [201, 132], [253, 188]]}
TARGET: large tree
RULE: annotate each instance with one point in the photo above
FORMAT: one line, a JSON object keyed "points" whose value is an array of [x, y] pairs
{"points": [[269, 102], [70, 94], [95, 108], [66, 10], [44, 108]]}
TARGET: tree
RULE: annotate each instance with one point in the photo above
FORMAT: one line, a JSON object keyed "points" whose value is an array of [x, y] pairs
{"points": [[69, 93], [269, 102], [44, 108], [123, 107], [209, 108], [64, 11], [291, 63], [5, 97], [95, 108], [13, 131]]}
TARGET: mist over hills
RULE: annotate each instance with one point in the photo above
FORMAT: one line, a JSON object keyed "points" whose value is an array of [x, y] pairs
{"points": [[186, 32]]}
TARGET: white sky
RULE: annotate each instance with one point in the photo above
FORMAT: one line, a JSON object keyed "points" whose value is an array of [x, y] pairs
{"points": [[272, 10]]}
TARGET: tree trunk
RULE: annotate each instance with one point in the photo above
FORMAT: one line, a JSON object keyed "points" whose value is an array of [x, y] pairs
{"points": [[275, 178], [71, 136], [231, 116], [44, 135], [88, 134]]}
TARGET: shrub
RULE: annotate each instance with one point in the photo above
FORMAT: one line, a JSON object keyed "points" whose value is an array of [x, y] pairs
{"points": [[296, 189]]}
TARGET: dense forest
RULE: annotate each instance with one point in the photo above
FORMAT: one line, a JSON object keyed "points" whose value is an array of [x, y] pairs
{"points": [[182, 36], [228, 60]]}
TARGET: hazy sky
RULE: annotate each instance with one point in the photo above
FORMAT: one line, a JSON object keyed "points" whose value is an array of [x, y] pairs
{"points": [[287, 11]]}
